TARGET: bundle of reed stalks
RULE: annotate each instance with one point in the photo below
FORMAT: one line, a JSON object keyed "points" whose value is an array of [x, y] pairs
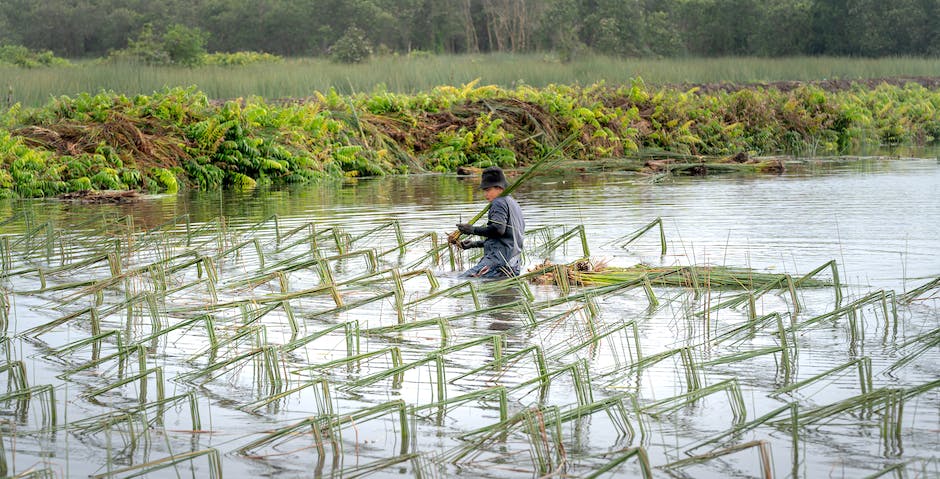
{"points": [[587, 272]]}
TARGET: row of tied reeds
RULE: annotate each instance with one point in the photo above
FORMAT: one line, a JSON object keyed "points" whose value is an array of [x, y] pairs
{"points": [[268, 313]]}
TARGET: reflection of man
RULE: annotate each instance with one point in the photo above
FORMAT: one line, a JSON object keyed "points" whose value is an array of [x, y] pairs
{"points": [[502, 248]]}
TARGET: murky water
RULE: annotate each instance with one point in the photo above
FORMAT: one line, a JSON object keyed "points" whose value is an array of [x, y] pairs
{"points": [[879, 220]]}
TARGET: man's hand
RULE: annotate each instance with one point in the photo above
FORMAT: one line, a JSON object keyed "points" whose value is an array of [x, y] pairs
{"points": [[465, 228], [466, 244]]}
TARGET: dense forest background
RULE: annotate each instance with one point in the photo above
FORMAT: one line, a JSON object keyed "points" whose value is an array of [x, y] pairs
{"points": [[93, 28]]}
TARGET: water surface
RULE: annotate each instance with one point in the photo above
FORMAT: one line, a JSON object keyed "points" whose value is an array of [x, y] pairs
{"points": [[880, 221]]}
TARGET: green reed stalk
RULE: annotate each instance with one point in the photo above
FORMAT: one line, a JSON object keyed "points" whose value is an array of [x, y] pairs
{"points": [[743, 356], [215, 370], [348, 306], [475, 447], [925, 342], [837, 285], [545, 442], [16, 374], [850, 308], [312, 239], [333, 424], [394, 225], [46, 395], [498, 391], [915, 293], [105, 421], [786, 361], [393, 352], [4, 313], [746, 330], [614, 408], [729, 386], [642, 458], [350, 328], [762, 447], [368, 278], [593, 340], [402, 247], [396, 373], [644, 363], [252, 407], [46, 327], [4, 468], [626, 240], [212, 455], [862, 364], [870, 400], [286, 433], [440, 323], [157, 372], [96, 342], [363, 470], [791, 287], [509, 360], [560, 241], [737, 429], [580, 378], [6, 255]]}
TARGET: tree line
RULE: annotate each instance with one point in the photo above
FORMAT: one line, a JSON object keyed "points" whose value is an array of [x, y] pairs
{"points": [[92, 28]]}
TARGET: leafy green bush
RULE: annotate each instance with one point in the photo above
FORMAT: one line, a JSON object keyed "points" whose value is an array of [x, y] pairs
{"points": [[185, 46], [146, 48], [239, 58], [24, 57], [352, 47], [179, 45]]}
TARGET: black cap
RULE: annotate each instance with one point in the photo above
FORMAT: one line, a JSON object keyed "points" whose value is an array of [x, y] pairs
{"points": [[493, 176]]}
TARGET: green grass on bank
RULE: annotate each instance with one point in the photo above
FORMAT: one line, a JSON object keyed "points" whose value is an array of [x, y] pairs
{"points": [[301, 77]]}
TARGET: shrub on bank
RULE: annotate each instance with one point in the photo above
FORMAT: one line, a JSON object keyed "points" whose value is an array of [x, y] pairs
{"points": [[178, 138]]}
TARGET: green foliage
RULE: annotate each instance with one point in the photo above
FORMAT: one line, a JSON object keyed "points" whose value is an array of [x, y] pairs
{"points": [[184, 45], [352, 47], [164, 180], [239, 58], [179, 45], [106, 179], [146, 48], [24, 57], [177, 138], [485, 145]]}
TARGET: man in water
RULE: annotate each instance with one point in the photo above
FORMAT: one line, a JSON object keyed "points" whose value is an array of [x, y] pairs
{"points": [[502, 248]]}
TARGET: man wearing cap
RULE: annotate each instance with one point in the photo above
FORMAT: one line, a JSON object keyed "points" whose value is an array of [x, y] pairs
{"points": [[503, 233]]}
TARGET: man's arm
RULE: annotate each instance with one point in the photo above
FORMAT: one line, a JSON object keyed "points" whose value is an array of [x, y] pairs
{"points": [[498, 220]]}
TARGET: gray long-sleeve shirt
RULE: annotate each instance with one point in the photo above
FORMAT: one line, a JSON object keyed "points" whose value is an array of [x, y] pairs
{"points": [[505, 234]]}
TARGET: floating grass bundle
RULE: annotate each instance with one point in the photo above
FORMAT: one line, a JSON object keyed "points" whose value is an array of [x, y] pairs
{"points": [[585, 272]]}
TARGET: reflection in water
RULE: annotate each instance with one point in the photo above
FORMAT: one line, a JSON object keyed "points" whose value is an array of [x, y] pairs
{"points": [[503, 319], [878, 219]]}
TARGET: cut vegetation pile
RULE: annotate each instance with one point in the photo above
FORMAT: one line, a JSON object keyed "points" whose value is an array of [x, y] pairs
{"points": [[282, 344], [180, 138]]}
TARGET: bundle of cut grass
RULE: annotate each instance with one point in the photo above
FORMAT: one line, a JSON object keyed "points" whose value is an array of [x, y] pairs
{"points": [[585, 272]]}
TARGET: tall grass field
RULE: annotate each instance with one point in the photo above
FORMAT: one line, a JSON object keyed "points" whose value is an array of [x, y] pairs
{"points": [[408, 74]]}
